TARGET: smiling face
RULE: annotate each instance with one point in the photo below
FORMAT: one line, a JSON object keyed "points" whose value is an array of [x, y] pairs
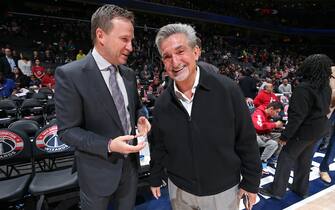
{"points": [[178, 57], [116, 44]]}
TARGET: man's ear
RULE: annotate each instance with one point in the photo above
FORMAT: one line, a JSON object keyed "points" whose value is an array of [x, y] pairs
{"points": [[99, 36], [197, 52]]}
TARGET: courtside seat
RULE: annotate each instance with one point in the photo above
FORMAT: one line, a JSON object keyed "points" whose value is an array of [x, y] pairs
{"points": [[55, 180], [15, 152], [30, 127]]}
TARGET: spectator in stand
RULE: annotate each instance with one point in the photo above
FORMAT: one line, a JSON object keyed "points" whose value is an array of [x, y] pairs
{"points": [[266, 96], [204, 64], [49, 57], [145, 74], [80, 55], [21, 80], [7, 64], [24, 65], [155, 87], [248, 84], [48, 80], [267, 81], [34, 82], [36, 55], [266, 137], [38, 70], [285, 87], [6, 86]]}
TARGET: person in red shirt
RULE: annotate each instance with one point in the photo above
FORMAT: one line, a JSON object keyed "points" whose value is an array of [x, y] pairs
{"points": [[38, 70], [261, 119], [266, 96], [48, 79]]}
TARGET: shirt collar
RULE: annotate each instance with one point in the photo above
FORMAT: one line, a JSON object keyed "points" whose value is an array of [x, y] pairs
{"points": [[179, 94], [102, 63]]}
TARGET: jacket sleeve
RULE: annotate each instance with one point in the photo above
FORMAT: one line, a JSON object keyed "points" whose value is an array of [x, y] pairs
{"points": [[69, 110], [157, 154], [246, 144], [261, 124], [258, 99], [299, 107]]}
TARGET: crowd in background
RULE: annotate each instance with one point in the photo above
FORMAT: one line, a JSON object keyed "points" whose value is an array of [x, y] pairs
{"points": [[285, 13], [58, 41]]}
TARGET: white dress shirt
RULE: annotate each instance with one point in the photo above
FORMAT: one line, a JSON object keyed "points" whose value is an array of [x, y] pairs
{"points": [[187, 103]]}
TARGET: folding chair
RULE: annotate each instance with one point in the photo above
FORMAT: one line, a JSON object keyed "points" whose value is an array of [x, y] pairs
{"points": [[56, 182], [29, 127], [47, 91], [15, 166], [32, 109], [8, 112]]}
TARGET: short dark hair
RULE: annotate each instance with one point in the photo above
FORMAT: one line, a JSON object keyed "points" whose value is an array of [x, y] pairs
{"points": [[275, 105], [103, 15]]}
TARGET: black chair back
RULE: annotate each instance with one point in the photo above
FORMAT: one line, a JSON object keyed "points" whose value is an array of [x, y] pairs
{"points": [[8, 112], [47, 91], [15, 149], [40, 97], [47, 146], [29, 127], [32, 109]]}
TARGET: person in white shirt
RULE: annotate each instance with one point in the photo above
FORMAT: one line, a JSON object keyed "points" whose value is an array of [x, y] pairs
{"points": [[25, 65], [285, 87]]}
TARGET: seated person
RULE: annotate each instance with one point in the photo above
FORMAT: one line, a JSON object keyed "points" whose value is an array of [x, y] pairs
{"points": [[34, 82], [21, 80], [261, 119], [6, 86], [265, 96], [48, 80]]}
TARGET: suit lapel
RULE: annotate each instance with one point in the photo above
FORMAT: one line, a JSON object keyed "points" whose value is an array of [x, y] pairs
{"points": [[101, 94]]}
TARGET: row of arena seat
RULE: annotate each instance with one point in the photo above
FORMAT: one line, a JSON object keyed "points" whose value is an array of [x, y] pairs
{"points": [[38, 106], [35, 166]]}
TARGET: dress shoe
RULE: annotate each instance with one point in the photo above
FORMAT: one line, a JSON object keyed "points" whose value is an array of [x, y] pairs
{"points": [[267, 192], [324, 176]]}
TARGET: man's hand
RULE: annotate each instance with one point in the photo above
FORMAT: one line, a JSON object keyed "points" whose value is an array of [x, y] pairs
{"points": [[251, 198], [120, 145], [281, 142], [156, 191], [143, 126], [279, 124]]}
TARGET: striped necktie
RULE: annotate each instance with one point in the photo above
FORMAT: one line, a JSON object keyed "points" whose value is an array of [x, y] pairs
{"points": [[118, 99]]}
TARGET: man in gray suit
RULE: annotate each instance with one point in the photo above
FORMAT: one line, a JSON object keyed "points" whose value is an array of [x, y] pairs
{"points": [[97, 105]]}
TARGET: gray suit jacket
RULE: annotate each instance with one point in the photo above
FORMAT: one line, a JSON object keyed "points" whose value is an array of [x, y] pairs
{"points": [[87, 118]]}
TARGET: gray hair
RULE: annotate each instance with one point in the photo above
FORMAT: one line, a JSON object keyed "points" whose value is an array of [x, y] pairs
{"points": [[175, 28], [103, 15]]}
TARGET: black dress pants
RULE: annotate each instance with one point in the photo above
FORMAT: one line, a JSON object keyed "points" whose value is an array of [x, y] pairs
{"points": [[295, 154], [123, 198]]}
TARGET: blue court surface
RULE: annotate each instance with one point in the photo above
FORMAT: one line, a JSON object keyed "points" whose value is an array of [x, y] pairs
{"points": [[263, 203]]}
